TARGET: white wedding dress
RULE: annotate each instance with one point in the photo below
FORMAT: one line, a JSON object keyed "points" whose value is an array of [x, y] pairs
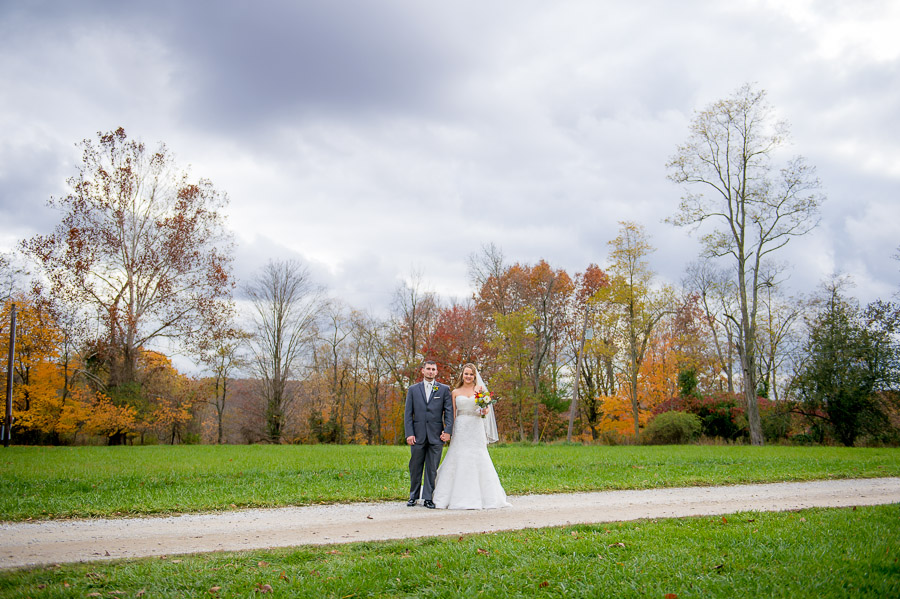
{"points": [[466, 479]]}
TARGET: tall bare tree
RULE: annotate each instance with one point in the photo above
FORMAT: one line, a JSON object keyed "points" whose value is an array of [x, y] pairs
{"points": [[286, 305], [754, 208]]}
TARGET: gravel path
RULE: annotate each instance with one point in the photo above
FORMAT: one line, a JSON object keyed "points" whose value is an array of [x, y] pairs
{"points": [[58, 541]]}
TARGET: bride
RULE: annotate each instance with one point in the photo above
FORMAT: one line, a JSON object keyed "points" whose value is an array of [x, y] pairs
{"points": [[466, 479]]}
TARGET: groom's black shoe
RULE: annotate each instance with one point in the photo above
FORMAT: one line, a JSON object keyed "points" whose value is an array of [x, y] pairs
{"points": [[411, 503], [429, 504]]}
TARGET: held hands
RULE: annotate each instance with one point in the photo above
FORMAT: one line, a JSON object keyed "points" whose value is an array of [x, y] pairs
{"points": [[445, 437]]}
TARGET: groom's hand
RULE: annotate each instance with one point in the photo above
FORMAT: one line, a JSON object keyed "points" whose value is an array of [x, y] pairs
{"points": [[445, 437], [411, 440]]}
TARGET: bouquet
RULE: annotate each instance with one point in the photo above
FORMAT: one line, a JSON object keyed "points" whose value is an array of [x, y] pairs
{"points": [[483, 399]]}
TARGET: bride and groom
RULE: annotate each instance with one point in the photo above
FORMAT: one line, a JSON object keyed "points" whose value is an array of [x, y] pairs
{"points": [[435, 415]]}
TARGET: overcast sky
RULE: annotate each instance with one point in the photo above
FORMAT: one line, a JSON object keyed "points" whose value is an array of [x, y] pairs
{"points": [[372, 138]]}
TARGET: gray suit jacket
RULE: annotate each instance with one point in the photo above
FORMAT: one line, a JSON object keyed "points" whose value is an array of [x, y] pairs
{"points": [[427, 421]]}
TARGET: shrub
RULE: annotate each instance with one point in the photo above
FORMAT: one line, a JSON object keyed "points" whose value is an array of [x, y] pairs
{"points": [[672, 428]]}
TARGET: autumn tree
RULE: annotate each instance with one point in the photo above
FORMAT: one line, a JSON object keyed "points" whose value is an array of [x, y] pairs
{"points": [[753, 209], [584, 301], [286, 305], [513, 342], [37, 392], [641, 306], [141, 245], [459, 337]]}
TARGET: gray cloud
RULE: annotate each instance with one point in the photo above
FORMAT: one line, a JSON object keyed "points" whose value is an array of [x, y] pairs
{"points": [[375, 138]]}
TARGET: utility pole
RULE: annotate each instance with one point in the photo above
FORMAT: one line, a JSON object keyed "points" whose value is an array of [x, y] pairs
{"points": [[7, 421]]}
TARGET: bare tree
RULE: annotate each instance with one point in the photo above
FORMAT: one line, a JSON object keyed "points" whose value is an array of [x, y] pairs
{"points": [[715, 288], [754, 209], [222, 352], [286, 305]]}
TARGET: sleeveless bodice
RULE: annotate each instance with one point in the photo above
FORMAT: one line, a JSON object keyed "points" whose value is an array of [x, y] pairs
{"points": [[466, 406]]}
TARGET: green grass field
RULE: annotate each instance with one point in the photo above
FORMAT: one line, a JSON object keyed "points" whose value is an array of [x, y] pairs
{"points": [[60, 482], [819, 553]]}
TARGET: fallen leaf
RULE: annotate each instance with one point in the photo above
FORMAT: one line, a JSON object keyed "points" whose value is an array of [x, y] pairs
{"points": [[141, 592], [719, 567], [264, 588], [95, 594], [484, 552], [41, 586], [802, 519], [617, 545], [459, 540], [214, 590], [544, 584], [671, 596], [176, 561], [284, 577], [262, 564], [439, 564], [314, 573], [724, 520], [334, 552], [369, 518]]}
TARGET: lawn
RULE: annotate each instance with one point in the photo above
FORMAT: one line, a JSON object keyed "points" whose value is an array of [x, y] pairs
{"points": [[60, 482], [816, 553]]}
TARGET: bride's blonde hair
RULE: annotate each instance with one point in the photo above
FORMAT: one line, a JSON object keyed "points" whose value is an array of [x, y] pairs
{"points": [[459, 380]]}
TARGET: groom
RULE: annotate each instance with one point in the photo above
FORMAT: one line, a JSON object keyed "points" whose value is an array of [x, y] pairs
{"points": [[428, 422]]}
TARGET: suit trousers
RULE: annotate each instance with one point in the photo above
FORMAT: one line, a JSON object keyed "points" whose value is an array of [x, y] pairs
{"points": [[425, 456]]}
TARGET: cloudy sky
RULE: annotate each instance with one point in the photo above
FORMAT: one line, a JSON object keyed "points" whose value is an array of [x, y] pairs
{"points": [[373, 138]]}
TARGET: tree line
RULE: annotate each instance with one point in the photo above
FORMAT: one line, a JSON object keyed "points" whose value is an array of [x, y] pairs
{"points": [[140, 265]]}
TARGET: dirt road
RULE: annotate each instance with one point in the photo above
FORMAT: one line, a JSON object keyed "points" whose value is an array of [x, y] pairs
{"points": [[58, 541]]}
